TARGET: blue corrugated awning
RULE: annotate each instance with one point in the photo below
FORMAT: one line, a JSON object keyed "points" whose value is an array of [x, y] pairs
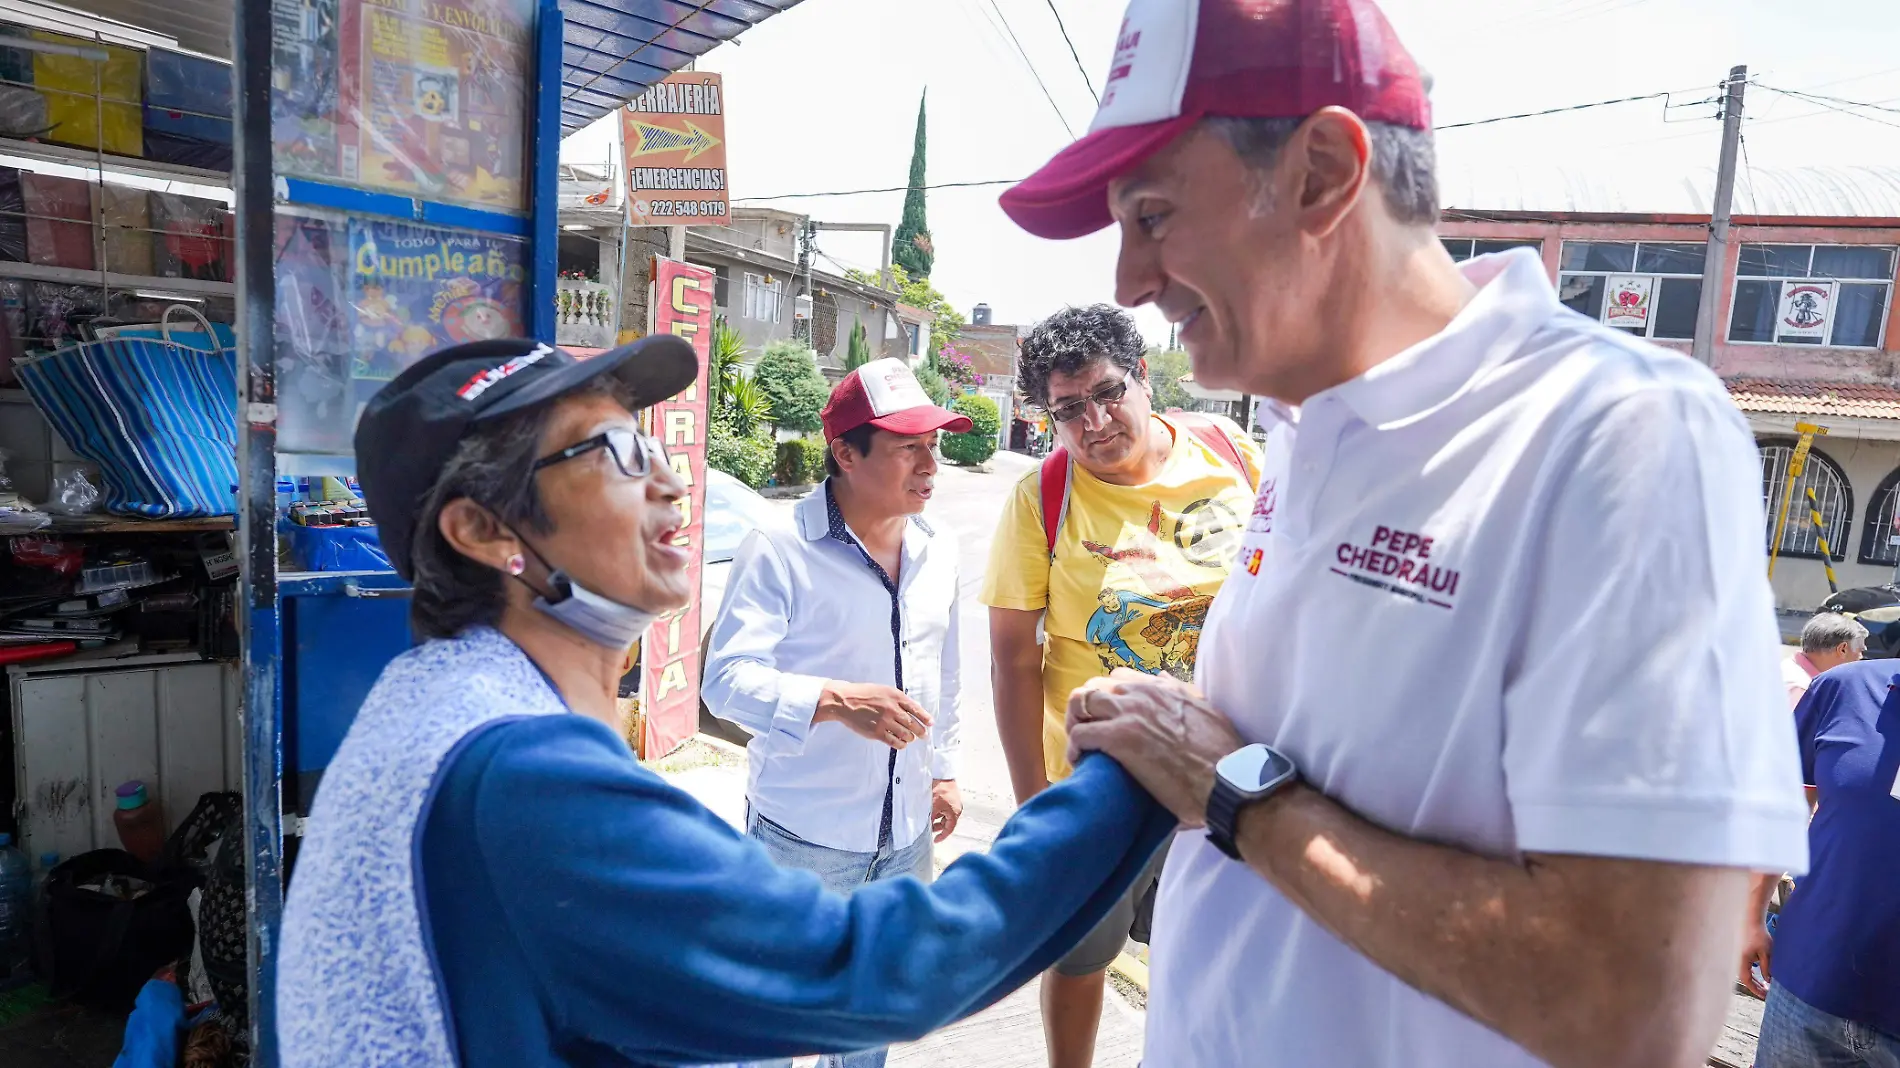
{"points": [[615, 49]]}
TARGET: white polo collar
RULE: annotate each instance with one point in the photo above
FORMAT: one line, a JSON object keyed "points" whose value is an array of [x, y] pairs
{"points": [[1514, 299]]}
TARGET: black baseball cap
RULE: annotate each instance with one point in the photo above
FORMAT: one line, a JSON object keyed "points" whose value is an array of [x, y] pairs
{"points": [[412, 426]]}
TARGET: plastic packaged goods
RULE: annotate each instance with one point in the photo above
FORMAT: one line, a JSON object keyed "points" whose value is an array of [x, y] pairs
{"points": [[12, 217], [73, 494], [196, 240], [125, 216], [187, 110], [75, 87], [122, 576], [59, 214]]}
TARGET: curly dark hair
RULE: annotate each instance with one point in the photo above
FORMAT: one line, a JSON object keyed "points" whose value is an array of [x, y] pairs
{"points": [[1071, 340]]}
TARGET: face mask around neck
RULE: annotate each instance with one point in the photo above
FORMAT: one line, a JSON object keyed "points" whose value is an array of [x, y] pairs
{"points": [[599, 619]]}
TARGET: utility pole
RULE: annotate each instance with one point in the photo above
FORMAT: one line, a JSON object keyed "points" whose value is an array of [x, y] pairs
{"points": [[1715, 261], [801, 325]]}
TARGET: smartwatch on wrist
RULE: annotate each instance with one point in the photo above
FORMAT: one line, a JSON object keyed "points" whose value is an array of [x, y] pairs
{"points": [[1247, 775]]}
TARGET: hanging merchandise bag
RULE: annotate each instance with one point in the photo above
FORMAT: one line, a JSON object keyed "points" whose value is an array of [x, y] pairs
{"points": [[158, 415]]}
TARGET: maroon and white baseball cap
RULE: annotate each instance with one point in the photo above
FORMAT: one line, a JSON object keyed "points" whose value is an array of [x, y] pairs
{"points": [[1180, 61], [886, 395]]}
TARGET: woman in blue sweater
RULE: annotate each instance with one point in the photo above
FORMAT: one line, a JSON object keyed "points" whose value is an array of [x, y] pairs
{"points": [[491, 879]]}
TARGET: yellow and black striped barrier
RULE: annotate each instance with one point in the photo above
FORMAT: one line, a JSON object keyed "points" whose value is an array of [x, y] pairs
{"points": [[1820, 536]]}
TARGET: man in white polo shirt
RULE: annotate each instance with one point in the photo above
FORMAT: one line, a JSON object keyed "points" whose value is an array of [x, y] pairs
{"points": [[1500, 634]]}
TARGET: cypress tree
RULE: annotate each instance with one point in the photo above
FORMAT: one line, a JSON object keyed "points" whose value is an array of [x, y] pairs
{"points": [[913, 250]]}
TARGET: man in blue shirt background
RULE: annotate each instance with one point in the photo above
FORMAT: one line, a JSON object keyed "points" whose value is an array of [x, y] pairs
{"points": [[1835, 998]]}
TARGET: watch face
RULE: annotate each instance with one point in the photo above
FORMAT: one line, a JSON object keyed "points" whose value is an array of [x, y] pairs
{"points": [[1254, 767]]}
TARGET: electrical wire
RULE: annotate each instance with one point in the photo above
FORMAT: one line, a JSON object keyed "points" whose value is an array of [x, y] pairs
{"points": [[885, 189], [1823, 98], [1013, 181], [1033, 73], [1080, 69], [1834, 107]]}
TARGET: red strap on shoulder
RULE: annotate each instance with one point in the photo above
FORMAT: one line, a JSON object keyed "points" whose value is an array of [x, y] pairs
{"points": [[1214, 438], [1055, 493]]}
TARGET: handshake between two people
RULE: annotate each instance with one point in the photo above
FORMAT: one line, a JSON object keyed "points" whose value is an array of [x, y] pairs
{"points": [[889, 716], [1164, 731]]}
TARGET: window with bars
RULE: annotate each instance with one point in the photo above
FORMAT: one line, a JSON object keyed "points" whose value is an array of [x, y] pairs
{"points": [[1880, 539], [763, 299], [1464, 248], [1834, 295], [1646, 288], [1799, 536]]}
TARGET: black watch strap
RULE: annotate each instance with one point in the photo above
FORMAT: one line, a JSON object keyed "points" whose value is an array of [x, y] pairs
{"points": [[1223, 811]]}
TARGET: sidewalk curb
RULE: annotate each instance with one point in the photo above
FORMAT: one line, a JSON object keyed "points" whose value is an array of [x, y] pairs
{"points": [[1132, 970]]}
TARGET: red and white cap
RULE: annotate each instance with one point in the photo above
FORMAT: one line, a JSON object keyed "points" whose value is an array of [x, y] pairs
{"points": [[1180, 61], [886, 395]]}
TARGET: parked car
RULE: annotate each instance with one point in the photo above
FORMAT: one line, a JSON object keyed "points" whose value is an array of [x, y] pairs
{"points": [[1878, 609], [732, 509]]}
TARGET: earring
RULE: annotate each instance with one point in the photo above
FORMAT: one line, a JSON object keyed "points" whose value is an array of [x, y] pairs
{"points": [[516, 564]]}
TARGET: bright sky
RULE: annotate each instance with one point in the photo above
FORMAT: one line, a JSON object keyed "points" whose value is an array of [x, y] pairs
{"points": [[824, 98]]}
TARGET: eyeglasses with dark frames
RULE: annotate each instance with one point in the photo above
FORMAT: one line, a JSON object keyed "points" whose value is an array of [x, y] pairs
{"points": [[633, 452], [1104, 397]]}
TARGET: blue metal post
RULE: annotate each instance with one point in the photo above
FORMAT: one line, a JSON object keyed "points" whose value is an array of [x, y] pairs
{"points": [[262, 634], [545, 205]]}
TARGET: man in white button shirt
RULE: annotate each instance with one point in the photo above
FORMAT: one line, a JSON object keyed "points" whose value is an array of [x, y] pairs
{"points": [[1500, 639], [836, 647]]}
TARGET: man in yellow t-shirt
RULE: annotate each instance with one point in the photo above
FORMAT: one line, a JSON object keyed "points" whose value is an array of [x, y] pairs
{"points": [[1149, 513]]}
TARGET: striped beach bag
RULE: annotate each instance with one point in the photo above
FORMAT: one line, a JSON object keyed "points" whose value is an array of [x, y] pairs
{"points": [[157, 415]]}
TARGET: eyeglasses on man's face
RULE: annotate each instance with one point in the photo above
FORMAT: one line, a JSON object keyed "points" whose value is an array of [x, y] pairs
{"points": [[1105, 396], [633, 452]]}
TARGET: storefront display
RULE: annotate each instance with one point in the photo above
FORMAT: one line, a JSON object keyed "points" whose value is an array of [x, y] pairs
{"points": [[358, 300], [413, 97]]}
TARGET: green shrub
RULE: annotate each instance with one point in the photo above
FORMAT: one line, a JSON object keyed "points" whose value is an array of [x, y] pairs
{"points": [[746, 457], [980, 443], [934, 386], [801, 462], [788, 375]]}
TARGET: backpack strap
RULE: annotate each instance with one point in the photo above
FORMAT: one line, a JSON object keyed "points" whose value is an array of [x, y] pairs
{"points": [[1215, 438], [1055, 494]]}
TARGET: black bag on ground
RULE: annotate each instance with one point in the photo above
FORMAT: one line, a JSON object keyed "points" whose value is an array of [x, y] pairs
{"points": [[107, 922], [223, 930]]}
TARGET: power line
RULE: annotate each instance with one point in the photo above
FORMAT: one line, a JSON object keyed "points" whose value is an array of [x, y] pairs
{"points": [[1033, 73], [1075, 55], [1013, 181], [1822, 98], [1823, 101], [1554, 111], [886, 189]]}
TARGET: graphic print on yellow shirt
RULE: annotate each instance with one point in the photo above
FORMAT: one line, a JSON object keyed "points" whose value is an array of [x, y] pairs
{"points": [[1135, 570]]}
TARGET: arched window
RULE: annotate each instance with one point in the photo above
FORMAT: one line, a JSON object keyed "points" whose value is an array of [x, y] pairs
{"points": [[1798, 536], [1876, 540]]}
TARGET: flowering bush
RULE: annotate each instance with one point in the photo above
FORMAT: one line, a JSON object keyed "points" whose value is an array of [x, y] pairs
{"points": [[956, 367]]}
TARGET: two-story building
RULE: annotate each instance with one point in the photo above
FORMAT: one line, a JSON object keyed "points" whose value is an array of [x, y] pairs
{"points": [[755, 261], [1807, 330], [993, 349]]}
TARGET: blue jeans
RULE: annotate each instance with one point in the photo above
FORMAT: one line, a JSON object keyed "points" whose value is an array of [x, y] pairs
{"points": [[842, 871], [1795, 1034]]}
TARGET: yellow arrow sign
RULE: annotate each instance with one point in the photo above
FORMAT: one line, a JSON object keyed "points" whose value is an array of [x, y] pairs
{"points": [[654, 140]]}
